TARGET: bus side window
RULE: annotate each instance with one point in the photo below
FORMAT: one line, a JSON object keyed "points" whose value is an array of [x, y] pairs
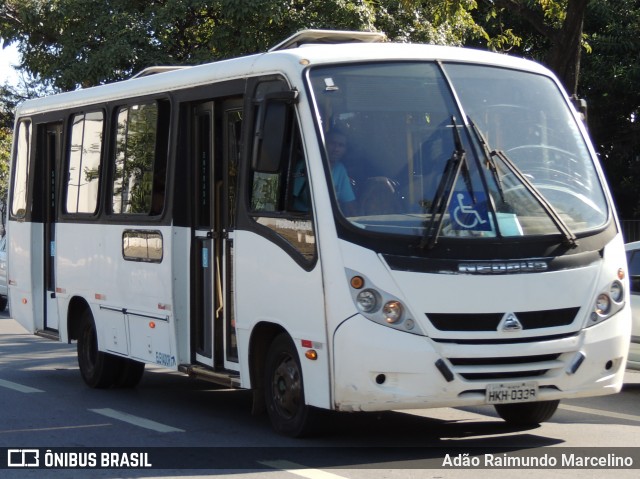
{"points": [[83, 175], [141, 159]]}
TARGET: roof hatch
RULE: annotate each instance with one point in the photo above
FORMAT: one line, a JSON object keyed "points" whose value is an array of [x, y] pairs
{"points": [[157, 69], [305, 37]]}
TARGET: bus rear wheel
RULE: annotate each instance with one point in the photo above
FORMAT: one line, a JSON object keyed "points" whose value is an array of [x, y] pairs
{"points": [[98, 369], [528, 413], [284, 389], [129, 373]]}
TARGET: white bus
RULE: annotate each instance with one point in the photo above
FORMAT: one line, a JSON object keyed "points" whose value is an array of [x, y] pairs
{"points": [[340, 223]]}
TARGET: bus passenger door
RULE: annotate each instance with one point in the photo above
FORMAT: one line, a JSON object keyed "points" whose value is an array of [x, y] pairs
{"points": [[216, 136], [203, 304], [51, 147]]}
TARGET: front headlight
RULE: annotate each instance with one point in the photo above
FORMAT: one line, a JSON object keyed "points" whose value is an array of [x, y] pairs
{"points": [[617, 292], [368, 301], [392, 311], [607, 303], [603, 304], [379, 306]]}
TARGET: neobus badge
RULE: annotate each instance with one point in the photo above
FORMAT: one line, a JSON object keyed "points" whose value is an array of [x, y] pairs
{"points": [[487, 267]]}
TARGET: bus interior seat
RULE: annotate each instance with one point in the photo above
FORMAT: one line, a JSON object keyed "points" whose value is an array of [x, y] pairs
{"points": [[379, 196]]}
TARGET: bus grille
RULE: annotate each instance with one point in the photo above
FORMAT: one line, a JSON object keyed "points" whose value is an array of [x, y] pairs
{"points": [[519, 367], [490, 321]]}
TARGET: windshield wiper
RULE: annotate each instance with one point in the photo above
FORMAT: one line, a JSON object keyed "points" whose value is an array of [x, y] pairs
{"points": [[490, 156], [568, 235], [444, 192]]}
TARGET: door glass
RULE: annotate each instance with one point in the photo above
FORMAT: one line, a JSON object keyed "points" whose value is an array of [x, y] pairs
{"points": [[233, 129], [204, 260], [21, 175]]}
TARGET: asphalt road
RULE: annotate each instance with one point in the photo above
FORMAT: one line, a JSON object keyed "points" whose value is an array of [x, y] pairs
{"points": [[189, 428]]}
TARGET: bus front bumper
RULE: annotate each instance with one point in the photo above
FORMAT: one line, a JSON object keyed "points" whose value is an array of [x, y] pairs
{"points": [[378, 368]]}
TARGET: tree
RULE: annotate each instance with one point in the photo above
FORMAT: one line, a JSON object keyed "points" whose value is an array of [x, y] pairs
{"points": [[549, 30], [7, 104], [610, 81], [120, 37], [5, 153]]}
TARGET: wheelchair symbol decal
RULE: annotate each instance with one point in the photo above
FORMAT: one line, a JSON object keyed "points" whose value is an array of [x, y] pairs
{"points": [[467, 214]]}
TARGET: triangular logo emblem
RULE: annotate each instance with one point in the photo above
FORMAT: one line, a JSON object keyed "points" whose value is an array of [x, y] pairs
{"points": [[510, 323]]}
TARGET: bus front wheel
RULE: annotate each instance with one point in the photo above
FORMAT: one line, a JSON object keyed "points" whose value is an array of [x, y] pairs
{"points": [[284, 389], [98, 369], [528, 413]]}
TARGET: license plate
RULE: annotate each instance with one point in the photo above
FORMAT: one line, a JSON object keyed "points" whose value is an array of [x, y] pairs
{"points": [[510, 393]]}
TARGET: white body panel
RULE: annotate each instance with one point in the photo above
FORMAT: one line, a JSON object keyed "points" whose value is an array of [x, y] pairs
{"points": [[634, 349], [131, 301], [25, 274], [272, 288]]}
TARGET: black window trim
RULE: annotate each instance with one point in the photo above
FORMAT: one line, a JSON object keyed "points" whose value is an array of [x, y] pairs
{"points": [[247, 218]]}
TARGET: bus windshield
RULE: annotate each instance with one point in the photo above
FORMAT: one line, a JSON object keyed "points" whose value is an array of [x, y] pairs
{"points": [[455, 150]]}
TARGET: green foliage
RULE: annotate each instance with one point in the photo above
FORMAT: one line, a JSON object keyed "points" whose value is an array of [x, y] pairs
{"points": [[5, 154], [8, 103], [84, 42], [66, 44], [442, 22], [611, 83], [265, 192], [554, 11]]}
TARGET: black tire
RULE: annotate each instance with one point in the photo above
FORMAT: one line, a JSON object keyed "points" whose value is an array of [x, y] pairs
{"points": [[3, 303], [284, 389], [99, 370], [528, 413], [129, 373]]}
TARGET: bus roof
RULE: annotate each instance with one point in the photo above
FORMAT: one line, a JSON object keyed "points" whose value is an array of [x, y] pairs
{"points": [[289, 57]]}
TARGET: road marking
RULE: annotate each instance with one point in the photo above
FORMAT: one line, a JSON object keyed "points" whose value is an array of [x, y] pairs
{"points": [[600, 412], [299, 470], [136, 420], [40, 429], [19, 387]]}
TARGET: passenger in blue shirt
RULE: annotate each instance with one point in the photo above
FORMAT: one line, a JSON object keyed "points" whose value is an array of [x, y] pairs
{"points": [[336, 149]]}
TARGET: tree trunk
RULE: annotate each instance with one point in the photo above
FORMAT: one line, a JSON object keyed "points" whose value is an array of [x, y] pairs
{"points": [[564, 56]]}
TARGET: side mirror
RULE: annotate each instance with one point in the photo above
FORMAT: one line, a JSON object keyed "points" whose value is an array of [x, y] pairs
{"points": [[272, 130], [580, 104]]}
